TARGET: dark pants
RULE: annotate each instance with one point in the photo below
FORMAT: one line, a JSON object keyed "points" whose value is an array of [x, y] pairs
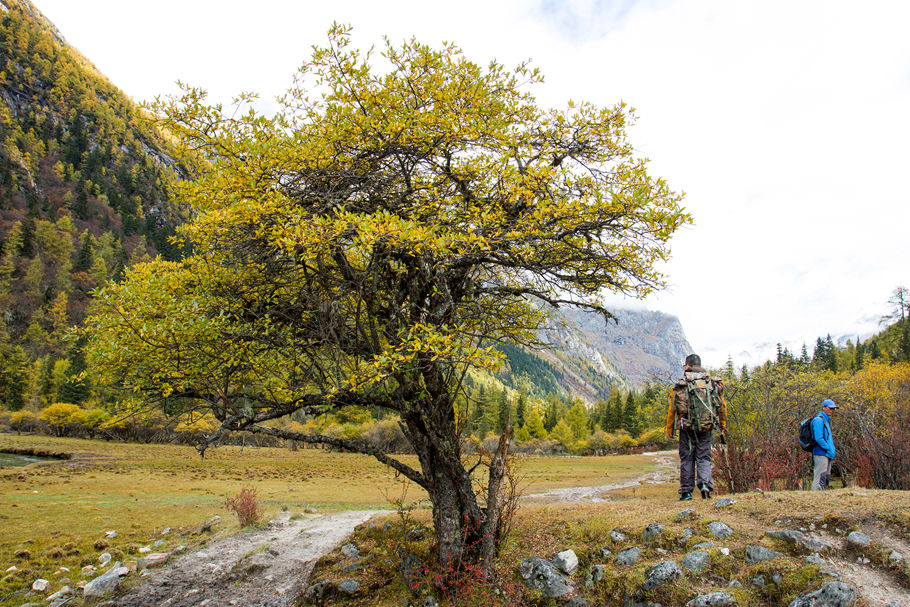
{"points": [[694, 452]]}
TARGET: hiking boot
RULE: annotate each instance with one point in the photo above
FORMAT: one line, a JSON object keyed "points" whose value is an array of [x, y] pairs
{"points": [[685, 497], [705, 494]]}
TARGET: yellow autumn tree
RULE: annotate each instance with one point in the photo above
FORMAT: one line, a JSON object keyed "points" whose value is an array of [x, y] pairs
{"points": [[371, 242]]}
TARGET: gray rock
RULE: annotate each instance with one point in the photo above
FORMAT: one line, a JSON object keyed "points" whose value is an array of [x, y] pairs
{"points": [[858, 540], [605, 552], [799, 539], [105, 584], [832, 594], [703, 546], [627, 557], [414, 535], [319, 591], [833, 574], [724, 503], [687, 533], [110, 535], [544, 576], [895, 557], [697, 561], [816, 560], [153, 560], [776, 578], [758, 580], [207, 525], [757, 554], [596, 574], [713, 599], [350, 550], [430, 602], [88, 570], [660, 574], [652, 532], [719, 530], [735, 584], [349, 586], [411, 569], [566, 561], [577, 602], [638, 601], [40, 585], [63, 592], [157, 543], [685, 515], [814, 544], [104, 558], [617, 536]]}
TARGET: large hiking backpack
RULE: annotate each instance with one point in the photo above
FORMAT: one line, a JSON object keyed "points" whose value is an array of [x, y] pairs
{"points": [[698, 399], [806, 440]]}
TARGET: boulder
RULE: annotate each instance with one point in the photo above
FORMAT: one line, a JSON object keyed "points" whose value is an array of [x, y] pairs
{"points": [[156, 559], [105, 584], [724, 503], [713, 599], [719, 530], [832, 594], [349, 586], [685, 515], [627, 557], [858, 540], [543, 575], [697, 561], [566, 561], [350, 550], [757, 554], [703, 546], [661, 574], [652, 532], [799, 539]]}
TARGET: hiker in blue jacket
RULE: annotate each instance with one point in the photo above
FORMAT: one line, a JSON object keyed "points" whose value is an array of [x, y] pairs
{"points": [[823, 453]]}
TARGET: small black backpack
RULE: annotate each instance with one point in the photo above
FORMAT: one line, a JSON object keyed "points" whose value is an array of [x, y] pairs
{"points": [[806, 440]]}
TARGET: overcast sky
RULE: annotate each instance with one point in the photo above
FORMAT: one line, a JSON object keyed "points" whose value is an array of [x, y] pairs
{"points": [[787, 124]]}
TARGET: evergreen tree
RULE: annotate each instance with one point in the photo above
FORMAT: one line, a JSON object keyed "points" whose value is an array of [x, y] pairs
{"points": [[74, 388], [631, 418], [577, 420], [535, 425], [13, 377], [521, 410], [504, 413], [858, 355]]}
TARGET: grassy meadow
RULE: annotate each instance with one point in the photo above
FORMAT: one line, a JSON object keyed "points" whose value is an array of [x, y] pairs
{"points": [[54, 515]]}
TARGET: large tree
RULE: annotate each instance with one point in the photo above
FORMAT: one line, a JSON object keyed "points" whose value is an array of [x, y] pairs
{"points": [[371, 242]]}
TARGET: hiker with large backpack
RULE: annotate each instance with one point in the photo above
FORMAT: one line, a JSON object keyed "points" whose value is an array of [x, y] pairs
{"points": [[822, 445], [697, 409]]}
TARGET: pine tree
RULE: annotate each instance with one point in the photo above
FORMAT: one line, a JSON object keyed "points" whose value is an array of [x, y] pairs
{"points": [[521, 410], [74, 389], [504, 416]]}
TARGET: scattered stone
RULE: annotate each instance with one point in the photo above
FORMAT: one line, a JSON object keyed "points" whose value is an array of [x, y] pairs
{"points": [[40, 585], [617, 536], [790, 536], [12, 569], [759, 491], [687, 514], [832, 594], [697, 561], [105, 558], [627, 557], [273, 551], [566, 561], [411, 569], [349, 586], [207, 525], [318, 592], [758, 580], [815, 559], [660, 574], [350, 550], [605, 552], [430, 602], [577, 602], [110, 535], [105, 584], [543, 575], [833, 574], [858, 540], [703, 546], [757, 554], [165, 531], [687, 533], [309, 510], [414, 535], [652, 532], [179, 549], [735, 584], [724, 503], [596, 574], [777, 578], [158, 543], [713, 599], [725, 551], [155, 559], [895, 557], [145, 549], [65, 591], [719, 530]]}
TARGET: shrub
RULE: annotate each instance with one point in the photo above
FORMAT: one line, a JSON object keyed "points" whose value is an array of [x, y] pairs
{"points": [[60, 417], [22, 421], [245, 506]]}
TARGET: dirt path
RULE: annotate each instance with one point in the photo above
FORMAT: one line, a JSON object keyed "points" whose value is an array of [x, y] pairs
{"points": [[666, 473], [878, 587], [265, 568]]}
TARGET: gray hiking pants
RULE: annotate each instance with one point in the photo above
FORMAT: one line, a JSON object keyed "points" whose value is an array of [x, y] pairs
{"points": [[821, 472], [695, 452]]}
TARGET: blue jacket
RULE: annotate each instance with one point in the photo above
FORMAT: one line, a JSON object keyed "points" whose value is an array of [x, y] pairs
{"points": [[821, 432]]}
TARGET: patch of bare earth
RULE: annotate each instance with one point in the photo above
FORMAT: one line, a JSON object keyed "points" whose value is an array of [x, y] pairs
{"points": [[263, 568], [877, 587]]}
